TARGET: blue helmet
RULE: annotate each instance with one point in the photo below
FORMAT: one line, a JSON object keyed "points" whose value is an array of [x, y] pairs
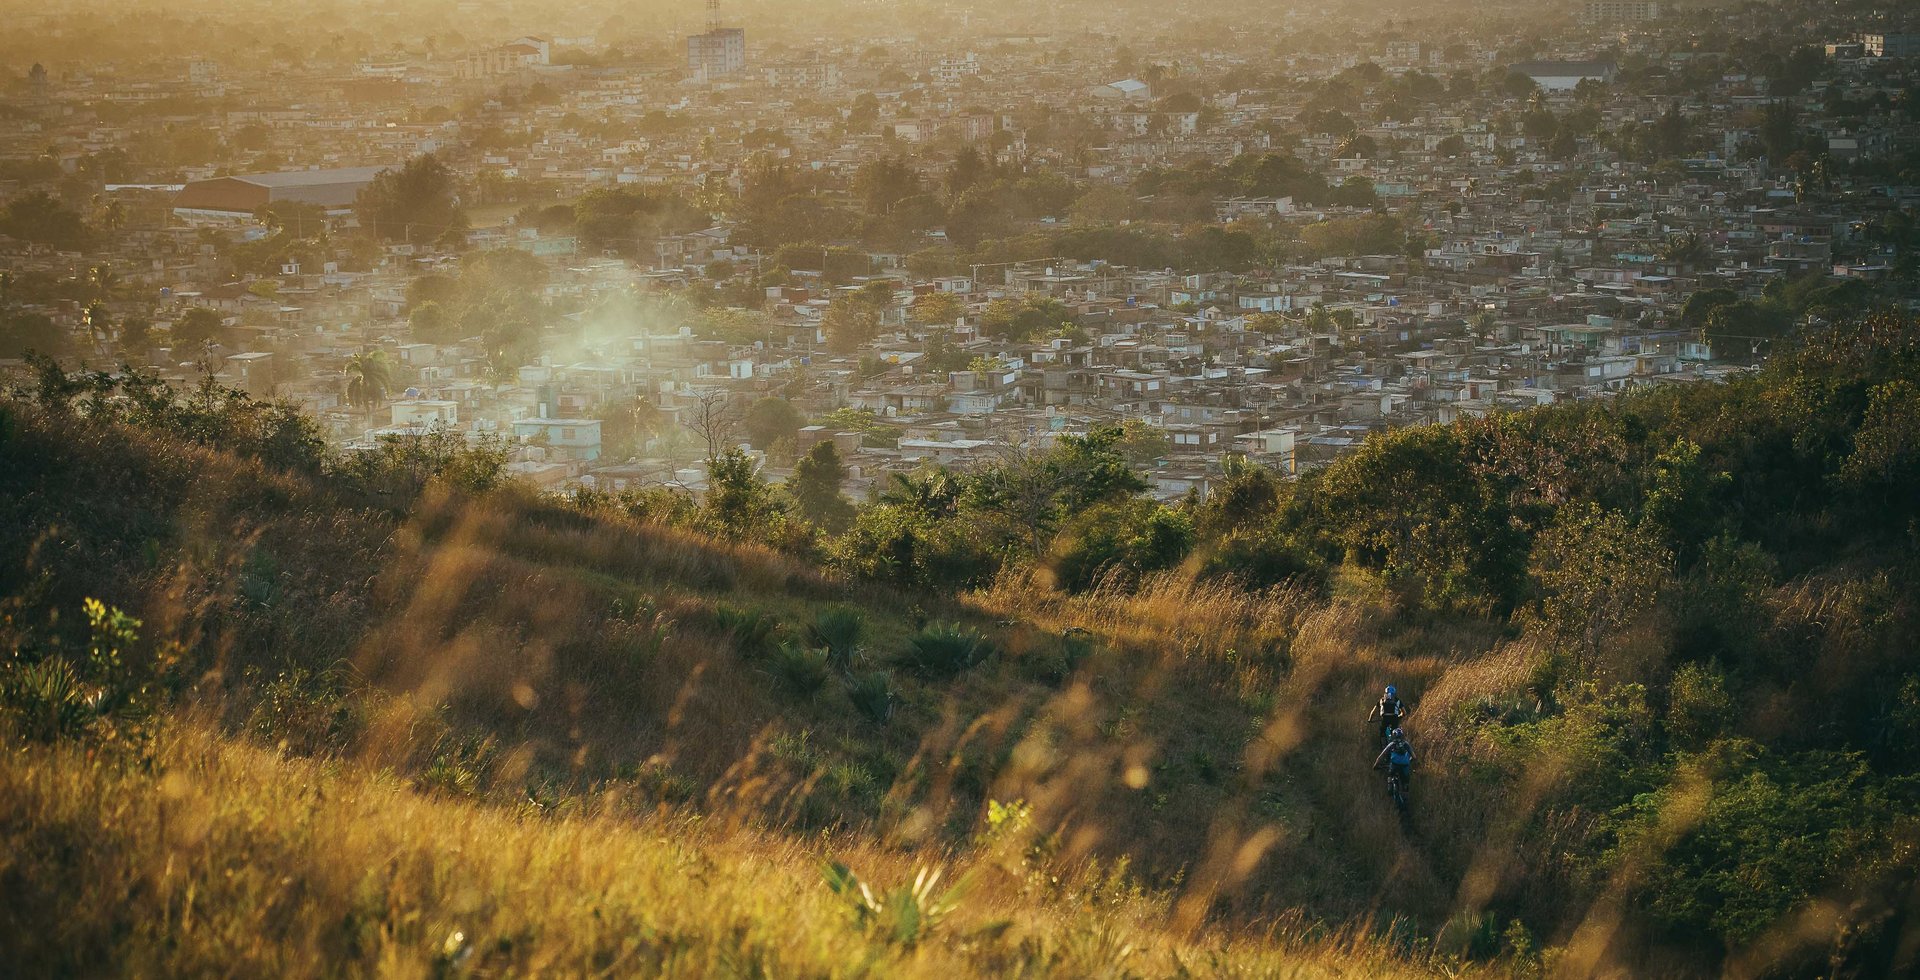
{"points": [[1391, 692]]}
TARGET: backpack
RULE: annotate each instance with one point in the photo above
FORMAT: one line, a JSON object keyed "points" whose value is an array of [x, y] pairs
{"points": [[1391, 708], [1400, 754]]}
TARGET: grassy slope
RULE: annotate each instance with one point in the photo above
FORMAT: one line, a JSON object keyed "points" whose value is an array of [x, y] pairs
{"points": [[241, 861], [492, 649]]}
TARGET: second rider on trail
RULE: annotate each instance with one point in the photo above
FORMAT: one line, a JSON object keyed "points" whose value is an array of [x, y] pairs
{"points": [[1397, 759]]}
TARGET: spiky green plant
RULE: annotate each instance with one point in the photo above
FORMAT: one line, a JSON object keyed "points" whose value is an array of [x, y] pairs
{"points": [[838, 630], [945, 649], [755, 632], [902, 915], [872, 695], [803, 669]]}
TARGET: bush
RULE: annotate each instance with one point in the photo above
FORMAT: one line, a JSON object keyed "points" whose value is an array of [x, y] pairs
{"points": [[110, 693], [872, 695], [754, 632], [837, 630], [945, 649], [1264, 559], [904, 914], [803, 670], [1127, 539]]}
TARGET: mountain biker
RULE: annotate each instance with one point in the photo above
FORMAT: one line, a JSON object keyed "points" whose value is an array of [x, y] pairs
{"points": [[1390, 712], [1397, 757]]}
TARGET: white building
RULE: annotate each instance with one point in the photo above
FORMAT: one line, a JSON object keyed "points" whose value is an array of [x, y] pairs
{"points": [[1563, 76], [719, 52]]}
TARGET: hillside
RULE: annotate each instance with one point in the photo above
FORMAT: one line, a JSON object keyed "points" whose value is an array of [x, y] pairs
{"points": [[1658, 650]]}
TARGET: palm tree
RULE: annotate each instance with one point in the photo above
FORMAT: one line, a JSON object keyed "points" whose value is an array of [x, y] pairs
{"points": [[99, 325], [368, 378], [934, 493], [1685, 250], [101, 280]]}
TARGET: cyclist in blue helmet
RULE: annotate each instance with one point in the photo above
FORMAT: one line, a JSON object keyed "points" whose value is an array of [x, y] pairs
{"points": [[1397, 757], [1389, 712]]}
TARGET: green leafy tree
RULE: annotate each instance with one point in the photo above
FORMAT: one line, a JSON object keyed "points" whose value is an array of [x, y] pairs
{"points": [[21, 332], [433, 323], [417, 203], [815, 487], [198, 325], [38, 216], [739, 502], [936, 308], [369, 378], [1597, 571], [770, 420], [849, 323]]}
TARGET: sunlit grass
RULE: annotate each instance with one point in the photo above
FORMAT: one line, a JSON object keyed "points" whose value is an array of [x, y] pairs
{"points": [[235, 860]]}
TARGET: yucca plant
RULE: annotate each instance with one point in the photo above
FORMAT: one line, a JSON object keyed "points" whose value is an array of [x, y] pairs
{"points": [[802, 668], [837, 630], [872, 695], [49, 700], [945, 649], [905, 914], [755, 633]]}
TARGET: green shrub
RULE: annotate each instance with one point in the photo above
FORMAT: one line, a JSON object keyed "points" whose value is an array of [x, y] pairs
{"points": [[1698, 707], [110, 693], [838, 630], [945, 649], [1263, 559], [872, 695], [903, 915], [804, 670], [305, 713], [755, 633]]}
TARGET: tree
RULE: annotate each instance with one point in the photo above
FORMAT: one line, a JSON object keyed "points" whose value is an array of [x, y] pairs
{"points": [[369, 377], [415, 204], [1686, 249], [770, 420], [815, 487], [23, 332], [136, 334], [1518, 86], [739, 502], [298, 218], [38, 216], [736, 326], [629, 221], [712, 420], [197, 326], [1598, 571], [937, 308], [849, 323], [433, 323], [1142, 443]]}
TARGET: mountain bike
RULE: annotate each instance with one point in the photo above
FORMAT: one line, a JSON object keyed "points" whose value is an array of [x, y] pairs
{"points": [[1397, 789]]}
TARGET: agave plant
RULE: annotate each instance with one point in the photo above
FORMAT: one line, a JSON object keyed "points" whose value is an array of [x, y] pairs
{"points": [[872, 695], [838, 630], [904, 914], [802, 668], [755, 632], [945, 649]]}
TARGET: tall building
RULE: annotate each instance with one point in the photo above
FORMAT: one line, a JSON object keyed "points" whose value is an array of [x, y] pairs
{"points": [[1891, 45], [1621, 11], [720, 51]]}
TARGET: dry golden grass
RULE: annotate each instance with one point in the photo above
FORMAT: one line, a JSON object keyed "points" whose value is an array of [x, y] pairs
{"points": [[235, 861]]}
